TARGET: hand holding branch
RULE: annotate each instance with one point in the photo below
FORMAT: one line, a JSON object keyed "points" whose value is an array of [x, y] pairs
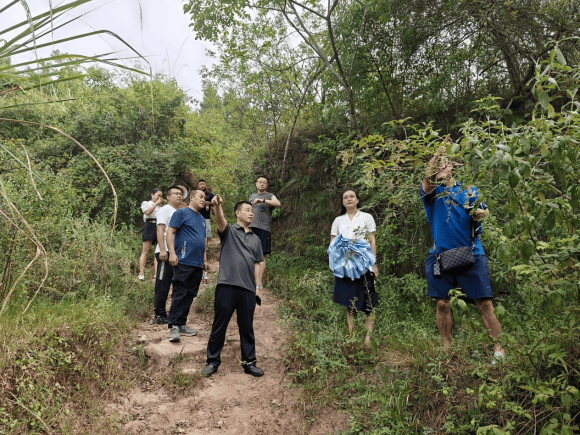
{"points": [[478, 214]]}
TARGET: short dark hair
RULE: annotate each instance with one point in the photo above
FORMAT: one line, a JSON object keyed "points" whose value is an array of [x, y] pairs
{"points": [[150, 194], [342, 207], [260, 176], [174, 187], [239, 205], [199, 181]]}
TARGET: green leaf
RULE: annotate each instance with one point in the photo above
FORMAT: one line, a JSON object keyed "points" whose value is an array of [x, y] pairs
{"points": [[550, 221], [575, 197], [571, 153], [514, 179], [499, 311], [527, 172], [504, 171], [525, 143], [514, 206], [528, 250], [542, 197], [544, 100], [560, 57]]}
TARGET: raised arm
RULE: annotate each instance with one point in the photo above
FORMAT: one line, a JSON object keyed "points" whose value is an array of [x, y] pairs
{"points": [[435, 165], [222, 223], [151, 209]]}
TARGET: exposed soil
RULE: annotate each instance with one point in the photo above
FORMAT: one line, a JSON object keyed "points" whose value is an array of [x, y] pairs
{"points": [[230, 402]]}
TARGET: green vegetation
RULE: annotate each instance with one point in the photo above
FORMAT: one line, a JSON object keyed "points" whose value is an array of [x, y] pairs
{"points": [[58, 361], [406, 383], [318, 96], [69, 296], [528, 175]]}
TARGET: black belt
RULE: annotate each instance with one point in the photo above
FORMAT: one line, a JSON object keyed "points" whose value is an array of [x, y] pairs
{"points": [[151, 220]]}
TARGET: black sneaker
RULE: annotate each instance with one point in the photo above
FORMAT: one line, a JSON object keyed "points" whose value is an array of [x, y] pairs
{"points": [[160, 320], [208, 370], [251, 369]]}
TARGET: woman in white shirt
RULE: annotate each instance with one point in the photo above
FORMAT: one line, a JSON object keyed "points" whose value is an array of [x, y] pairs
{"points": [[150, 208], [358, 294]]}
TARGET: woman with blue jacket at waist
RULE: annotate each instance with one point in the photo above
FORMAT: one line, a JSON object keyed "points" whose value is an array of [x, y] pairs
{"points": [[352, 254]]}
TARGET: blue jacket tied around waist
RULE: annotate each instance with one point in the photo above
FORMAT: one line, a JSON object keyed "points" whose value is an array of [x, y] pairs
{"points": [[350, 257]]}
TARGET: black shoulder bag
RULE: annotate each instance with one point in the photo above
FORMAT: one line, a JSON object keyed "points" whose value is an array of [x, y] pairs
{"points": [[455, 257]]}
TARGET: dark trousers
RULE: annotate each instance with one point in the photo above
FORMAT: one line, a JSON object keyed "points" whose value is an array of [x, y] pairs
{"points": [[186, 280], [162, 284], [228, 299]]}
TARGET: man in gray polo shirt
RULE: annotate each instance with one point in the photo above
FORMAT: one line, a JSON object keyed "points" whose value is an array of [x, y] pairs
{"points": [[240, 257], [264, 203]]}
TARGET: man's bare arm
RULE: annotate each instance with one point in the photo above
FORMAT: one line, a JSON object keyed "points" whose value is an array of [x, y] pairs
{"points": [[171, 246], [274, 202], [160, 239], [435, 165], [222, 223], [257, 276]]}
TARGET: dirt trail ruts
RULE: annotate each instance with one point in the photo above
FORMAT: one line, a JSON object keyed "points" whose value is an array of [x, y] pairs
{"points": [[230, 402]]}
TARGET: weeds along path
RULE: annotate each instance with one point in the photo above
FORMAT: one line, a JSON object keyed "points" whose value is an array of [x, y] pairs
{"points": [[172, 398]]}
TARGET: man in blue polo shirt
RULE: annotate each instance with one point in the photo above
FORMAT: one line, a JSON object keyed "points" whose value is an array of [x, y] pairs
{"points": [[453, 214], [240, 257], [186, 246]]}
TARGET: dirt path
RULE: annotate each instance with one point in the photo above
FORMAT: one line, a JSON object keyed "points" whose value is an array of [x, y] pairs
{"points": [[230, 402]]}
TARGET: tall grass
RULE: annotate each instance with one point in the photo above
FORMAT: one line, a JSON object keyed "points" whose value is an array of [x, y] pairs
{"points": [[57, 361], [67, 353], [406, 383]]}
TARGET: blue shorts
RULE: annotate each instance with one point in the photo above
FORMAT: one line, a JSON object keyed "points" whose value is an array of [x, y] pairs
{"points": [[473, 279]]}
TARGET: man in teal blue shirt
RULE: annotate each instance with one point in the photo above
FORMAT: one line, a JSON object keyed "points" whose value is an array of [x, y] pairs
{"points": [[452, 212], [187, 255]]}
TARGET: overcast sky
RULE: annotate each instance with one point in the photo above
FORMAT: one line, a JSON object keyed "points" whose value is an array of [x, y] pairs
{"points": [[163, 34]]}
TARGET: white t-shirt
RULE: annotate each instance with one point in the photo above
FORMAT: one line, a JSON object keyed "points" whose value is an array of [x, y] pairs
{"points": [[145, 205], [361, 225], [163, 217]]}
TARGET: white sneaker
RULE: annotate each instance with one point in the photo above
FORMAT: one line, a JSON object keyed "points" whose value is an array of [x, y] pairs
{"points": [[141, 278], [497, 357]]}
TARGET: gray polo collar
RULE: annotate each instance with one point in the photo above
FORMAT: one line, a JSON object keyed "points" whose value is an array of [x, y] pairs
{"points": [[238, 226]]}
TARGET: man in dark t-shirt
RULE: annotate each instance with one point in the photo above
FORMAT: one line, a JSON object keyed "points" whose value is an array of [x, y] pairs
{"points": [[206, 210], [240, 257], [186, 245]]}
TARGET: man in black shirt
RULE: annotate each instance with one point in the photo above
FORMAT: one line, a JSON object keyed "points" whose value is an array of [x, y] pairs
{"points": [[206, 213], [240, 257]]}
